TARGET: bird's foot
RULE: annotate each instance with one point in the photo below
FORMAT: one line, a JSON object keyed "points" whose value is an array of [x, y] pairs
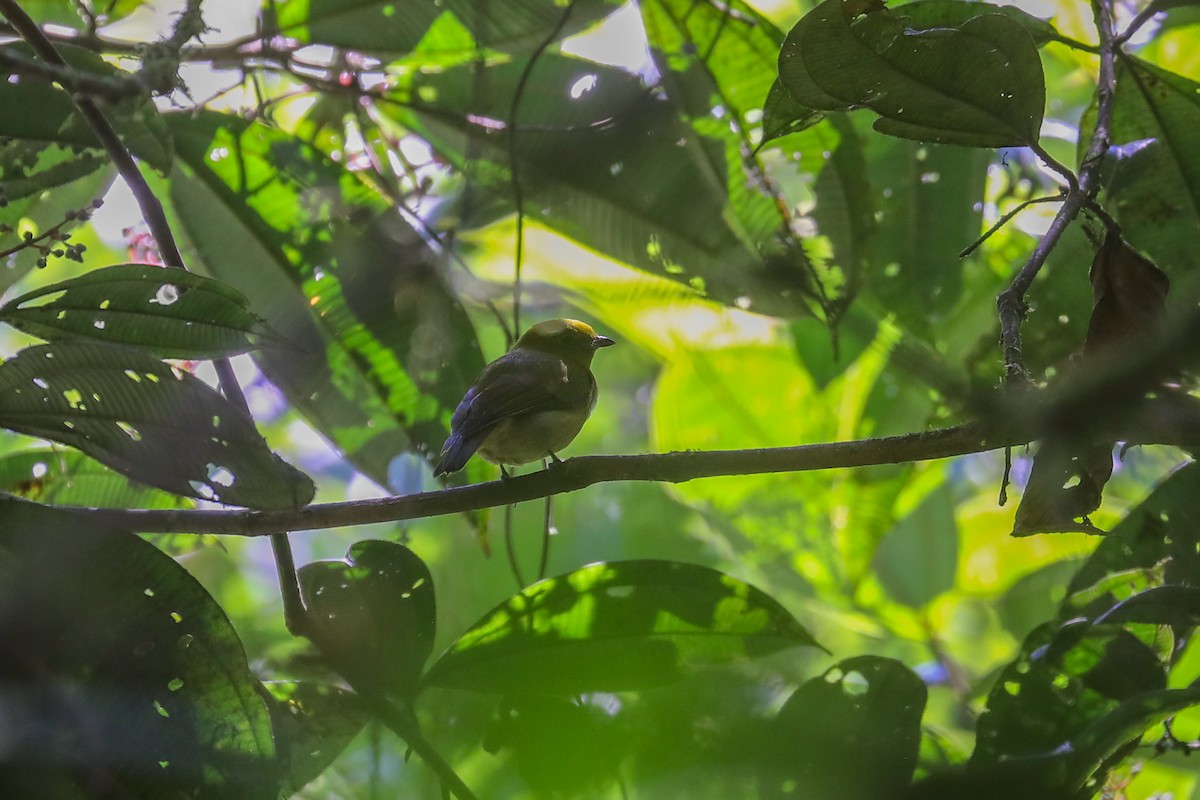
{"points": [[554, 460]]}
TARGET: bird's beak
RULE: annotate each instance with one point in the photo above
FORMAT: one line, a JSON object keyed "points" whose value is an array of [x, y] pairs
{"points": [[602, 341]]}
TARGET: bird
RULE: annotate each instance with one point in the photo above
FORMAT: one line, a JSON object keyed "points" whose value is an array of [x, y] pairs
{"points": [[529, 403]]}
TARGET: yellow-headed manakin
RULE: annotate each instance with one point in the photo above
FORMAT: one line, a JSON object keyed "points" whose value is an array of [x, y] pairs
{"points": [[529, 403]]}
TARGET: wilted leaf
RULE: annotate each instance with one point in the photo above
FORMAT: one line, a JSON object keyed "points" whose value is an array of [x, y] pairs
{"points": [[170, 313], [613, 627], [375, 614], [145, 419], [1130, 296], [1065, 485]]}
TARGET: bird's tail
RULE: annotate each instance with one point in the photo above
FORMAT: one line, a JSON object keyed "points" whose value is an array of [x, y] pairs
{"points": [[456, 453]]}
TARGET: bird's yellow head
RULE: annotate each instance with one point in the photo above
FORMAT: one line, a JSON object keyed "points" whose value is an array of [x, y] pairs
{"points": [[565, 338]]}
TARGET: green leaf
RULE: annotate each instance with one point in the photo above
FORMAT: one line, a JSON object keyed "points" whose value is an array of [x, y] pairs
{"points": [[122, 672], [314, 722], [978, 84], [918, 560], [385, 350], [375, 614], [1154, 187], [147, 420], [68, 477], [170, 313], [868, 705], [614, 627], [136, 121]]}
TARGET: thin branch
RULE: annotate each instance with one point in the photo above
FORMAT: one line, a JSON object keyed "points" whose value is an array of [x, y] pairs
{"points": [[111, 87], [1145, 15], [1011, 302], [1004, 220]]}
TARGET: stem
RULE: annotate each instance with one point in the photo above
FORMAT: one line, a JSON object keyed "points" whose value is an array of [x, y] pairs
{"points": [[1011, 302]]}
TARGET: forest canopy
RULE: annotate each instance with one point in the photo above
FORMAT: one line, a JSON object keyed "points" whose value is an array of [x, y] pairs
{"points": [[888, 491]]}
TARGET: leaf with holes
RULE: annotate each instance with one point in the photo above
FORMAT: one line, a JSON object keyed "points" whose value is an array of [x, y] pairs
{"points": [[867, 705], [375, 614], [121, 672], [170, 313], [616, 626], [978, 84], [147, 420]]}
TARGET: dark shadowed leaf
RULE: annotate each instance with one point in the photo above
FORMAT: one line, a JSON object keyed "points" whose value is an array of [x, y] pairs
{"points": [[375, 614], [616, 626], [147, 420], [128, 679], [979, 83], [867, 705], [170, 313], [314, 722]]}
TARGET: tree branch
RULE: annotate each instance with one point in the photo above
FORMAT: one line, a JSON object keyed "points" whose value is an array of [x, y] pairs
{"points": [[1010, 304]]}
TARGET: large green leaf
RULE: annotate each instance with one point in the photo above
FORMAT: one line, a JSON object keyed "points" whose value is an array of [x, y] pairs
{"points": [[170, 313], [616, 626], [1154, 187], [375, 615], [979, 83], [385, 351], [122, 674], [148, 420], [865, 704], [613, 166]]}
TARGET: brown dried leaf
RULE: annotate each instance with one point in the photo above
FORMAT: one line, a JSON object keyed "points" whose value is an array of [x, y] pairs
{"points": [[1130, 296]]}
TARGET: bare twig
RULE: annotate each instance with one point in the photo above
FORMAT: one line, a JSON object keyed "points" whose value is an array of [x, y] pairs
{"points": [[1011, 302]]}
